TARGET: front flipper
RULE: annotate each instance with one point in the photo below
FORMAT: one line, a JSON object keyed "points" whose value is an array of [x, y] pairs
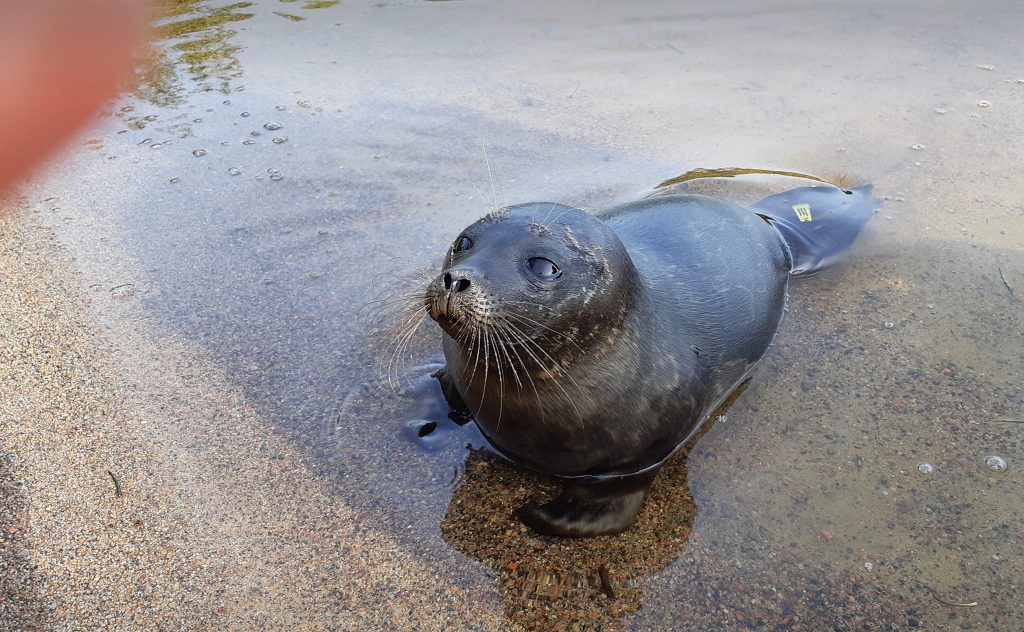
{"points": [[460, 413], [592, 507]]}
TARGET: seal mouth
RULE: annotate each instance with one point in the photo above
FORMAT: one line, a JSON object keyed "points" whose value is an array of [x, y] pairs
{"points": [[445, 310], [438, 304]]}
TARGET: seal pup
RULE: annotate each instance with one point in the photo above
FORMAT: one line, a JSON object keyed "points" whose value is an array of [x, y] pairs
{"points": [[592, 346]]}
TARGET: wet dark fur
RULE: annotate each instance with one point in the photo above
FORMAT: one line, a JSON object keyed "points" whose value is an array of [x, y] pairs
{"points": [[661, 308]]}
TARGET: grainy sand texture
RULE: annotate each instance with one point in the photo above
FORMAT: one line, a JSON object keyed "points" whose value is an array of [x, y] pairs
{"points": [[170, 506]]}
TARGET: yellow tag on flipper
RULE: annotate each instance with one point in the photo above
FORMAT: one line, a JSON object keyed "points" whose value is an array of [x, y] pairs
{"points": [[803, 212]]}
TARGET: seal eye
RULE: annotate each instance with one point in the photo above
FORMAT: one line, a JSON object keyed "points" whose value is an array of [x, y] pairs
{"points": [[544, 268], [462, 243]]}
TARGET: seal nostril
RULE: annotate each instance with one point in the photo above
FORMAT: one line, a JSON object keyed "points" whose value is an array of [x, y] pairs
{"points": [[461, 285], [447, 281]]}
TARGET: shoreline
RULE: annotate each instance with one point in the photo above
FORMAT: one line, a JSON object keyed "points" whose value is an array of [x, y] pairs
{"points": [[219, 524]]}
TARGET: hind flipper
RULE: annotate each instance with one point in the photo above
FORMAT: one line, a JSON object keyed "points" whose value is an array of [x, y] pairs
{"points": [[818, 223], [587, 508]]}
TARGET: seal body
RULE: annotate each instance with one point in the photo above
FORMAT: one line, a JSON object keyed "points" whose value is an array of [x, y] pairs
{"points": [[592, 346]]}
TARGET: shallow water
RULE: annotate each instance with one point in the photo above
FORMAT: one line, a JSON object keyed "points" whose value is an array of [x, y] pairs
{"points": [[271, 175]]}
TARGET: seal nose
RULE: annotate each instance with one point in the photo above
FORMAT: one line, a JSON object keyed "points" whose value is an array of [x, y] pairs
{"points": [[456, 281]]}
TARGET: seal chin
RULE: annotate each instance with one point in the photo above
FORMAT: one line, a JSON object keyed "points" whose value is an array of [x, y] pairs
{"points": [[451, 326]]}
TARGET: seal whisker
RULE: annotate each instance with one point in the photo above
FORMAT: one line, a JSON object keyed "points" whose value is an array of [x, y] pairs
{"points": [[487, 350], [503, 330], [548, 216], [501, 379], [527, 342], [530, 321], [400, 345], [407, 342], [476, 355], [396, 302], [512, 334], [500, 331], [554, 205], [378, 314], [384, 371], [559, 216], [487, 162], [483, 198], [409, 324]]}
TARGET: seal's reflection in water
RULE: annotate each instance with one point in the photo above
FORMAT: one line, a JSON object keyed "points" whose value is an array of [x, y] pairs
{"points": [[551, 583]]}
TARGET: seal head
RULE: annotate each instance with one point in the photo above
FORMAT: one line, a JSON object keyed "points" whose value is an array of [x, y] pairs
{"points": [[529, 287]]}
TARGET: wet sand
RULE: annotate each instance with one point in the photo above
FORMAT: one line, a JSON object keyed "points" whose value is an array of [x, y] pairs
{"points": [[213, 522]]}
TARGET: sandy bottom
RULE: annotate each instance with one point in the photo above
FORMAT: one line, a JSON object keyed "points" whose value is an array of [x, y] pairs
{"points": [[124, 509]]}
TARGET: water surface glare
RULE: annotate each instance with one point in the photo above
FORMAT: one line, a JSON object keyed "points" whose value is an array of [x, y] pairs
{"points": [[861, 481]]}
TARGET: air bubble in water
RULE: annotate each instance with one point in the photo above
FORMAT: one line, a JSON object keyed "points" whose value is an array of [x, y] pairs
{"points": [[245, 114], [280, 139], [996, 463], [273, 170], [280, 108], [198, 152], [276, 176], [925, 468], [249, 142], [272, 126], [234, 171]]}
